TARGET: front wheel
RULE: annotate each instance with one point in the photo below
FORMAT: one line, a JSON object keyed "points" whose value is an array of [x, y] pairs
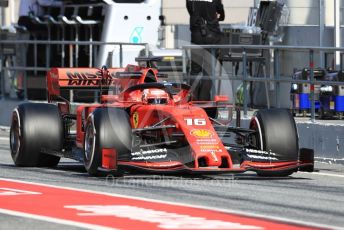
{"points": [[106, 128], [276, 133]]}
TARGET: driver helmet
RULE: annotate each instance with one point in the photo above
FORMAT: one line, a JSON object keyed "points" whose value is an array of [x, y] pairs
{"points": [[155, 96]]}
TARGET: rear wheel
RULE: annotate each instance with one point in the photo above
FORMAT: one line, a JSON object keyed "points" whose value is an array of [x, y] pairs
{"points": [[106, 128], [276, 133], [36, 128]]}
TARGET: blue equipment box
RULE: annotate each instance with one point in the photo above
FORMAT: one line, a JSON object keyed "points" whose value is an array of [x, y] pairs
{"points": [[305, 102], [339, 103]]}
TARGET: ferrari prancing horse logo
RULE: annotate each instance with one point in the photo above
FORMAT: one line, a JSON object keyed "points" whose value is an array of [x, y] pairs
{"points": [[136, 119]]}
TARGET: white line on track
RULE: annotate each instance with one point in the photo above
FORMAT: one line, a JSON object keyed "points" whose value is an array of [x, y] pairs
{"points": [[230, 211], [323, 174], [54, 220], [4, 138]]}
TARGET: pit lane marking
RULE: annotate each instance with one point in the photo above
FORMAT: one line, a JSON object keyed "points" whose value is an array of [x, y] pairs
{"points": [[162, 219], [4, 138], [53, 220], [323, 174], [286, 221], [5, 128], [123, 213], [16, 192]]}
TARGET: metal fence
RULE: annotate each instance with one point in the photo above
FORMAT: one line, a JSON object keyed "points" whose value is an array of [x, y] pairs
{"points": [[20, 47], [244, 58], [276, 79]]}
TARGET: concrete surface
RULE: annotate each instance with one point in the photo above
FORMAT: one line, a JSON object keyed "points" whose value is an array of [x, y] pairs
{"points": [[309, 198]]}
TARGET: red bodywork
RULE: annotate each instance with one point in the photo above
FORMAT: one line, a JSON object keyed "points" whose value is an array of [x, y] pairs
{"points": [[188, 119]]}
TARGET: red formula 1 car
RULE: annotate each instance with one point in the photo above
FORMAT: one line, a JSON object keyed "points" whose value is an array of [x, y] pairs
{"points": [[142, 125]]}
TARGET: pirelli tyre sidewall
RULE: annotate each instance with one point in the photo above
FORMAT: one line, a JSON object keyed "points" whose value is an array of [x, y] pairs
{"points": [[106, 128], [276, 133], [35, 129]]}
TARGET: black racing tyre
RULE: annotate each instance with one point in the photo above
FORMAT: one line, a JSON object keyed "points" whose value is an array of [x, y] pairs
{"points": [[35, 128], [106, 128], [276, 133]]}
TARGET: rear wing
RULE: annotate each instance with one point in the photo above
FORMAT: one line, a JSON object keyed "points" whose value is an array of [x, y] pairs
{"points": [[97, 79]]}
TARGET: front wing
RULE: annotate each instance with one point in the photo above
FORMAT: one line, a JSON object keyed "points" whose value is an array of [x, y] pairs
{"points": [[179, 168]]}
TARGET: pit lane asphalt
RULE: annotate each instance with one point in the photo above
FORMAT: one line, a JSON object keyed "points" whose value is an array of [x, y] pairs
{"points": [[316, 198]]}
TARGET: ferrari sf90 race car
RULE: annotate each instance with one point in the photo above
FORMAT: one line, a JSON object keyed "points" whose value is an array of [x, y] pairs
{"points": [[142, 125]]}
